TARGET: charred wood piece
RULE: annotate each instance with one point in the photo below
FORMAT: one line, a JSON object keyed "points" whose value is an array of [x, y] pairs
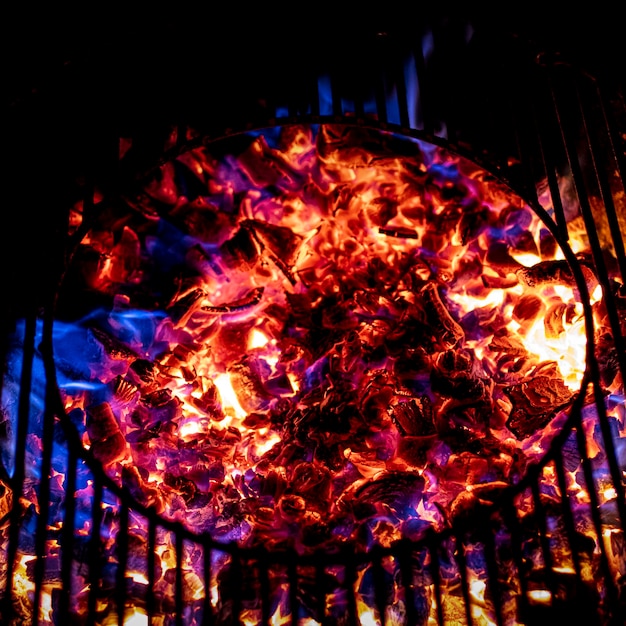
{"points": [[535, 402], [399, 232], [251, 299], [445, 328]]}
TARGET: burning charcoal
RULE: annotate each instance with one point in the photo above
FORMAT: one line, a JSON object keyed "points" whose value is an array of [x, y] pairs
{"points": [[399, 232], [123, 389], [547, 273], [527, 309], [101, 422], [185, 487], [414, 418], [398, 490], [535, 402], [382, 210], [248, 385], [453, 377], [556, 317], [509, 345], [201, 219], [185, 305], [499, 259], [139, 489], [157, 398], [145, 370], [112, 346], [313, 481], [252, 298], [280, 241], [608, 360], [240, 251], [110, 450], [125, 257], [445, 328]]}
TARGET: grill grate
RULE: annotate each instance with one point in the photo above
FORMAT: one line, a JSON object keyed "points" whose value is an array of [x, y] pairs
{"points": [[552, 127]]}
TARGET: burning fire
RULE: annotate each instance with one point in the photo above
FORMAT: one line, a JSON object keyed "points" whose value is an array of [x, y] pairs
{"points": [[317, 335]]}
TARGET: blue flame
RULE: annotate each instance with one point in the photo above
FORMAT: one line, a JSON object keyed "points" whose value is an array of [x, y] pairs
{"points": [[412, 93], [325, 95]]}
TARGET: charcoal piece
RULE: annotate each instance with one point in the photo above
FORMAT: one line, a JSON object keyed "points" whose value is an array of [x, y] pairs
{"points": [[249, 300], [527, 309], [144, 369], [415, 417], [240, 251], [509, 345], [535, 402], [397, 490], [6, 499], [281, 241], [248, 385], [399, 232], [547, 273], [471, 224], [109, 450], [157, 398], [444, 328], [382, 210], [453, 377], [123, 389], [185, 487], [608, 360], [101, 422], [184, 306], [555, 319]]}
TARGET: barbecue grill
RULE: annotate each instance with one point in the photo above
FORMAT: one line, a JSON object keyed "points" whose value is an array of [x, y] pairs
{"points": [[523, 102]]}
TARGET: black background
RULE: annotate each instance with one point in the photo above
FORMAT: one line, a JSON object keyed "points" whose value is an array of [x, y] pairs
{"points": [[73, 76]]}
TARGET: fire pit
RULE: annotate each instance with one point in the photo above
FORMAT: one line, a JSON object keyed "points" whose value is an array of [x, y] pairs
{"points": [[330, 368]]}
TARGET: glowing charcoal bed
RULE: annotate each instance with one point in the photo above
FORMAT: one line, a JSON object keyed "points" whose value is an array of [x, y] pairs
{"points": [[311, 337]]}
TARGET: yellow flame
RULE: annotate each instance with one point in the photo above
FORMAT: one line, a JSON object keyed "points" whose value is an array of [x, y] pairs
{"points": [[528, 259], [138, 577], [136, 616], [228, 395], [540, 596], [189, 428], [257, 339]]}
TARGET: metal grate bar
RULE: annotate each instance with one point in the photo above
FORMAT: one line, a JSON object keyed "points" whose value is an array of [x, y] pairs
{"points": [[435, 573], [513, 523], [17, 482], [121, 540], [207, 611], [41, 534], [292, 574], [150, 555], [380, 586], [67, 536], [264, 586], [568, 517], [95, 556], [462, 565], [487, 533], [607, 195], [405, 557], [178, 583], [544, 541], [611, 309], [595, 516]]}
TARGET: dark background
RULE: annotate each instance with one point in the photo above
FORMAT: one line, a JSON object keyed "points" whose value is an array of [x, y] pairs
{"points": [[74, 78]]}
